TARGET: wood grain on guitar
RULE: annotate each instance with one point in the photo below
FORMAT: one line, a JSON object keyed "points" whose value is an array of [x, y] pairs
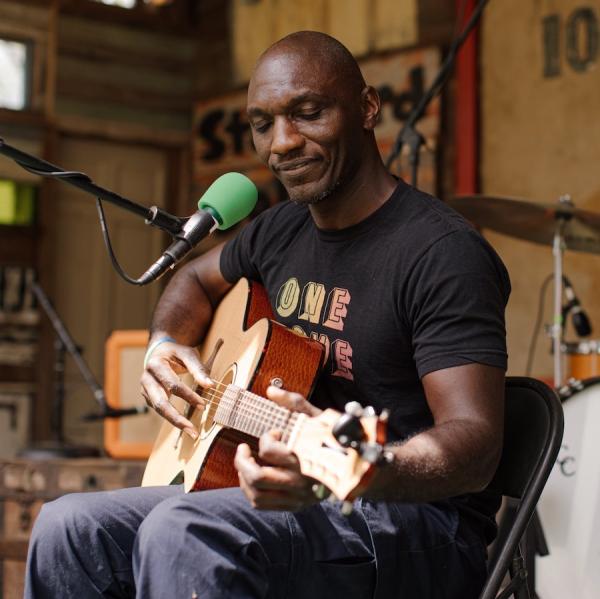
{"points": [[246, 352]]}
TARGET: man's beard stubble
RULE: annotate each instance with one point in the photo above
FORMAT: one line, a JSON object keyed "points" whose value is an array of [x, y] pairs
{"points": [[317, 199]]}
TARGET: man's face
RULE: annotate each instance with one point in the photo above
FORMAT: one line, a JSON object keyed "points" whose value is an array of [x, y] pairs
{"points": [[306, 125]]}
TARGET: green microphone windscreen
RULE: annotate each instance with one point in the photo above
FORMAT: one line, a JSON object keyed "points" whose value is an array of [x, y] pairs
{"points": [[230, 199]]}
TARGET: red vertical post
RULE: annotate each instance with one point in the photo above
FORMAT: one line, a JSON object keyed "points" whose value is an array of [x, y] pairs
{"points": [[467, 109]]}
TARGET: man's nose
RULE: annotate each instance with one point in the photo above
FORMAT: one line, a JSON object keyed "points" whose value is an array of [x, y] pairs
{"points": [[285, 137]]}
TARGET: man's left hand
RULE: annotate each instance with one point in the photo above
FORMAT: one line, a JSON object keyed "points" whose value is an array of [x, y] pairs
{"points": [[277, 483]]}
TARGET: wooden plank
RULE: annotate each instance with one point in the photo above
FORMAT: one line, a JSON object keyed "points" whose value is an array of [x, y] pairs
{"points": [[138, 78], [252, 33], [124, 39], [395, 24], [255, 26], [51, 61], [31, 18], [298, 16], [115, 94], [17, 245], [164, 19], [107, 55], [173, 125], [349, 22], [16, 374], [466, 116], [122, 131], [436, 21]]}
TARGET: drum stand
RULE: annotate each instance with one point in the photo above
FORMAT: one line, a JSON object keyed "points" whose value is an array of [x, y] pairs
{"points": [[558, 247], [535, 539]]}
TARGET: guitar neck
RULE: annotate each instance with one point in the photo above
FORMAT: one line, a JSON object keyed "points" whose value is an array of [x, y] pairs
{"points": [[252, 414]]}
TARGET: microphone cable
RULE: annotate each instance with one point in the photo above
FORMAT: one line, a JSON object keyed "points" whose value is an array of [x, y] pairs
{"points": [[538, 324], [109, 248], [99, 208]]}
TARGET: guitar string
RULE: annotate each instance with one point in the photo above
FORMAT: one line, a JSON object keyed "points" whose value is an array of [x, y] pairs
{"points": [[279, 415]]}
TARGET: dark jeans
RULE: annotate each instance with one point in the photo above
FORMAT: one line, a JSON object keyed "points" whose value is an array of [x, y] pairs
{"points": [[161, 543]]}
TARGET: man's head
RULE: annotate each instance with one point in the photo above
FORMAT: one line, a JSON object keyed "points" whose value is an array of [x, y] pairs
{"points": [[312, 115]]}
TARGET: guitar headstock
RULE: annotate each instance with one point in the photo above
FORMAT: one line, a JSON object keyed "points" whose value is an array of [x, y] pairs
{"points": [[340, 450]]}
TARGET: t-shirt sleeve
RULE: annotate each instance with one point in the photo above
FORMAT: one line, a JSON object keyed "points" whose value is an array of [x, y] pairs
{"points": [[241, 254], [455, 302]]}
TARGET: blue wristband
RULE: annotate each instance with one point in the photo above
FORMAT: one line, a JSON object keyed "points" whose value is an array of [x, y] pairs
{"points": [[154, 345]]}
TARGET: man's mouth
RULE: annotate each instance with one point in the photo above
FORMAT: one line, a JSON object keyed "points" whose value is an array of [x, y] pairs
{"points": [[295, 167]]}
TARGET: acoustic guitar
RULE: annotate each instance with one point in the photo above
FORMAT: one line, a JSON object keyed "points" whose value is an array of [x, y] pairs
{"points": [[245, 352]]}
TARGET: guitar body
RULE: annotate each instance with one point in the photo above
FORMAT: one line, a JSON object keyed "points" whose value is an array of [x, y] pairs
{"points": [[247, 350]]}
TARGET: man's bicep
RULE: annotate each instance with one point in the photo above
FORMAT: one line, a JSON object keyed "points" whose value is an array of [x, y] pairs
{"points": [[468, 391], [470, 400], [471, 392], [207, 271]]}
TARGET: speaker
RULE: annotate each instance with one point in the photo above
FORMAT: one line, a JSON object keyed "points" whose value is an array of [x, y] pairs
{"points": [[129, 437]]}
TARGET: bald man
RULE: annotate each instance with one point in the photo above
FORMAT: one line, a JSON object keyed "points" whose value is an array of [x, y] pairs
{"points": [[418, 329]]}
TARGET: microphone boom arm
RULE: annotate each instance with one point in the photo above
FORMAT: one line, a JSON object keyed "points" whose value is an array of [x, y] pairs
{"points": [[155, 216]]}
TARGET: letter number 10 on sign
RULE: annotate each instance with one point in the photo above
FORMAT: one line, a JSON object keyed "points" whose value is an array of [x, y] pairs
{"points": [[577, 37]]}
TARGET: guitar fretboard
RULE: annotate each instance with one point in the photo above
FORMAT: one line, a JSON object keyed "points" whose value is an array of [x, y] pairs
{"points": [[252, 414]]}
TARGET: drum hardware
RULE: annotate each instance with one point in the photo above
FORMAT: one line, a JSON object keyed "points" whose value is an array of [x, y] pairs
{"points": [[533, 221], [559, 225], [572, 386], [568, 503]]}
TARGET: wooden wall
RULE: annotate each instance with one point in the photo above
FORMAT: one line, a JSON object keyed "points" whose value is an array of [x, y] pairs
{"points": [[364, 26], [110, 73], [540, 93], [99, 80]]}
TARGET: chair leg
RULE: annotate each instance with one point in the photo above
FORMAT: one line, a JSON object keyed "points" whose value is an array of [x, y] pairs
{"points": [[535, 544], [519, 573]]}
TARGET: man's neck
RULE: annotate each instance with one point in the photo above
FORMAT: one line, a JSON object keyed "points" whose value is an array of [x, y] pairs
{"points": [[356, 200]]}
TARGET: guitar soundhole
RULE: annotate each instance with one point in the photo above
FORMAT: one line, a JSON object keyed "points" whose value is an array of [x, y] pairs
{"points": [[214, 398]]}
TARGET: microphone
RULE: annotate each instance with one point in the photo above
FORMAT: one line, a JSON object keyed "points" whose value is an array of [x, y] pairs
{"points": [[229, 199], [110, 412], [581, 322]]}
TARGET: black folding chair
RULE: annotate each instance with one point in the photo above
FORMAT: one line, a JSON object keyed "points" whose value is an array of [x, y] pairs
{"points": [[533, 432]]}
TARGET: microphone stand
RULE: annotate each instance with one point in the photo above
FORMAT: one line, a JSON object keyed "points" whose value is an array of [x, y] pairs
{"points": [[408, 133], [57, 447], [155, 216]]}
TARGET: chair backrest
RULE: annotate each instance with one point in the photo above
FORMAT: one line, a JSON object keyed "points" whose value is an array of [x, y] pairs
{"points": [[533, 431]]}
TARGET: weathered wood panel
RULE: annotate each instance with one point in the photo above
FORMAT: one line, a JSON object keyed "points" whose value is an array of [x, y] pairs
{"points": [[114, 73], [347, 21], [363, 25], [540, 131], [298, 16], [395, 24]]}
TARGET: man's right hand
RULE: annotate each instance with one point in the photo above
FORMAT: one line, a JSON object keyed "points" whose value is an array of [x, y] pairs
{"points": [[160, 380]]}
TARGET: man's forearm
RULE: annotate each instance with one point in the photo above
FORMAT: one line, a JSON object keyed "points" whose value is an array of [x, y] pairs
{"points": [[447, 460], [183, 311], [185, 308]]}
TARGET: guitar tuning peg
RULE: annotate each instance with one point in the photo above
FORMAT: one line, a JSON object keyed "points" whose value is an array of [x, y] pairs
{"points": [[347, 507], [353, 408], [348, 430], [321, 492]]}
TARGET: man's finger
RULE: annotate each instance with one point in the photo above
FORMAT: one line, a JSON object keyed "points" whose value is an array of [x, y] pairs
{"points": [[191, 360], [157, 399], [172, 384], [273, 451], [292, 401]]}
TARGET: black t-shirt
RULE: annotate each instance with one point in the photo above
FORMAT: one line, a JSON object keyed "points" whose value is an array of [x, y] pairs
{"points": [[411, 289]]}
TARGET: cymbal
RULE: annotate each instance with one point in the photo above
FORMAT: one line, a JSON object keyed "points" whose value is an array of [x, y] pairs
{"points": [[532, 221]]}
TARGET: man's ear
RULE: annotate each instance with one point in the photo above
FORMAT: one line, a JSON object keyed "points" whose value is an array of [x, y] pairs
{"points": [[371, 107]]}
